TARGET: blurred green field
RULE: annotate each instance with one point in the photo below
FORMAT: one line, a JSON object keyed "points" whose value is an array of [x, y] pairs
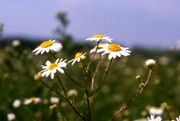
{"points": [[19, 65]]}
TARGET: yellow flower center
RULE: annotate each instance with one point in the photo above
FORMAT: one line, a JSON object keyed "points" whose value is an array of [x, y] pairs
{"points": [[46, 44], [114, 47], [98, 36], [78, 55], [32, 99], [52, 66], [157, 109]]}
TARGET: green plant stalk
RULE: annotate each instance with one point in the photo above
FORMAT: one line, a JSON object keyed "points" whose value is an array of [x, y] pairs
{"points": [[94, 74], [87, 98], [87, 69], [75, 82], [68, 101], [50, 88], [127, 105]]}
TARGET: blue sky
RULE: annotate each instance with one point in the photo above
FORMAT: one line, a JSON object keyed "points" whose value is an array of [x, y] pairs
{"points": [[131, 22]]}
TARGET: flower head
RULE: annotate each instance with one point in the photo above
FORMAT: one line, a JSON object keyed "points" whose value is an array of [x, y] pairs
{"points": [[54, 100], [37, 76], [53, 106], [52, 68], [114, 50], [150, 63], [16, 103], [72, 92], [78, 57], [153, 118], [46, 46], [16, 43], [98, 37], [34, 100], [11, 116], [178, 118], [156, 111]]}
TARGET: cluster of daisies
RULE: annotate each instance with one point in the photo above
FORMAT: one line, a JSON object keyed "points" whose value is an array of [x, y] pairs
{"points": [[156, 113], [32, 100], [104, 46], [35, 100], [53, 101], [156, 118]]}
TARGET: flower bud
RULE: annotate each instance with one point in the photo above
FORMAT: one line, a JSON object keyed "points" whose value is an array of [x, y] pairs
{"points": [[150, 63], [72, 93], [51, 107], [138, 77], [164, 105], [37, 76]]}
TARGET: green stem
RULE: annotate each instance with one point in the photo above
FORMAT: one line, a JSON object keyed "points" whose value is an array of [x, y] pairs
{"points": [[87, 69], [68, 101], [75, 82], [87, 98], [107, 69], [94, 74], [129, 103], [50, 88]]}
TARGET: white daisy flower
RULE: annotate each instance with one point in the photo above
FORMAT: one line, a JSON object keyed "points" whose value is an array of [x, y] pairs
{"points": [[52, 68], [99, 46], [153, 118], [16, 103], [11, 116], [98, 37], [16, 43], [178, 118], [34, 100], [54, 100], [46, 46], [78, 56], [156, 111], [114, 50]]}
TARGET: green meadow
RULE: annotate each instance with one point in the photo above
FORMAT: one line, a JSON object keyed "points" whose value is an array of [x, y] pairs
{"points": [[18, 66]]}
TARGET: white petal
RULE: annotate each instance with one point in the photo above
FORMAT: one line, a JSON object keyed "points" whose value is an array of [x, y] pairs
{"points": [[61, 70], [70, 61], [57, 61], [48, 63], [52, 75], [35, 49], [124, 53], [43, 50], [110, 56], [73, 61], [47, 73], [38, 51]]}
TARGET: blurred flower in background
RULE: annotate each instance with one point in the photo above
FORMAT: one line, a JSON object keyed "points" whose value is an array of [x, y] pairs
{"points": [[11, 116], [16, 43], [16, 103], [99, 37], [54, 100], [156, 110]]}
